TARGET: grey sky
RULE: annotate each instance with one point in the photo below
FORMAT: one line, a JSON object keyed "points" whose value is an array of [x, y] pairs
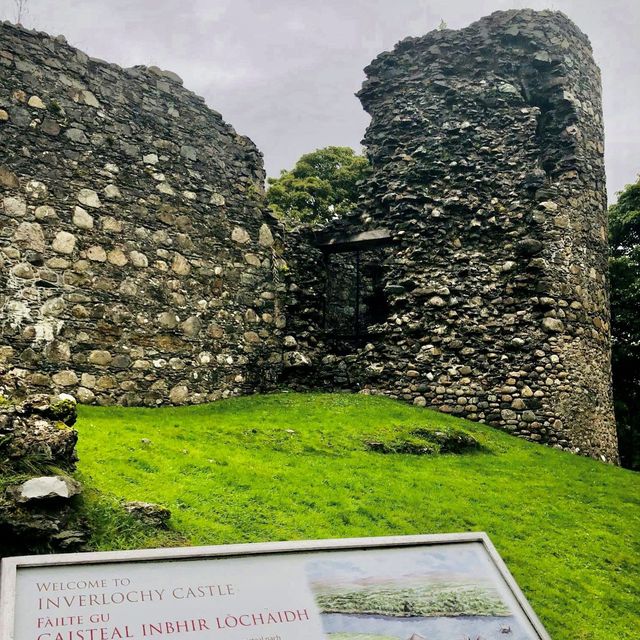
{"points": [[284, 72]]}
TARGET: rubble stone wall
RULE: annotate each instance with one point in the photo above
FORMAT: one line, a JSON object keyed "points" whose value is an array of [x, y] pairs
{"points": [[135, 256], [487, 152]]}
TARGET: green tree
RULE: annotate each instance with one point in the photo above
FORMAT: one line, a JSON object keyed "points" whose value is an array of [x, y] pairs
{"points": [[624, 270], [322, 185]]}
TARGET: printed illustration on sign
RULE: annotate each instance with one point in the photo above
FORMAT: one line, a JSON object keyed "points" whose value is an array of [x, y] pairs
{"points": [[436, 593]]}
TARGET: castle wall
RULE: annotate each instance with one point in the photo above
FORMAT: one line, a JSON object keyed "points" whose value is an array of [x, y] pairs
{"points": [[137, 264], [135, 257], [487, 152]]}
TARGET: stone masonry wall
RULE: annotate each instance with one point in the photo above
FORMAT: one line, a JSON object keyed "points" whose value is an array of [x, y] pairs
{"points": [[135, 257], [487, 152]]}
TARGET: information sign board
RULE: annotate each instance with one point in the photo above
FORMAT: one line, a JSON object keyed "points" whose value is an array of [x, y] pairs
{"points": [[435, 587]]}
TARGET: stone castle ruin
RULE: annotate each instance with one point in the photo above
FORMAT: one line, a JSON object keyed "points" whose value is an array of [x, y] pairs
{"points": [[140, 266]]}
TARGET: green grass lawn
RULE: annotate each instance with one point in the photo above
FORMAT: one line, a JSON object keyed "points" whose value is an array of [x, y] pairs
{"points": [[293, 466]]}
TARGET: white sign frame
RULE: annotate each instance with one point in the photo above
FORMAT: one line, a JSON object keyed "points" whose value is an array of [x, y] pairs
{"points": [[12, 565]]}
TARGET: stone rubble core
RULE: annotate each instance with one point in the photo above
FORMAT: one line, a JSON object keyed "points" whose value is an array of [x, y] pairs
{"points": [[487, 152], [37, 511], [139, 266]]}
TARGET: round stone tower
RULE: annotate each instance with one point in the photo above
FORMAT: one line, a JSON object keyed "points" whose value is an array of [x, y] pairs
{"points": [[487, 153]]}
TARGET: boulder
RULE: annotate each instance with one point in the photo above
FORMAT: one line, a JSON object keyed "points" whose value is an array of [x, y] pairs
{"points": [[148, 513]]}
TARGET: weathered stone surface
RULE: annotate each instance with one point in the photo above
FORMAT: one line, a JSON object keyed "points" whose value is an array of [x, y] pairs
{"points": [[138, 259], [65, 378], [240, 235], [293, 359], [89, 198], [79, 136], [100, 358], [36, 103], [192, 326], [14, 207], [553, 325], [8, 179], [50, 127], [30, 235], [82, 219], [117, 257], [265, 237], [488, 301], [96, 253], [179, 394]]}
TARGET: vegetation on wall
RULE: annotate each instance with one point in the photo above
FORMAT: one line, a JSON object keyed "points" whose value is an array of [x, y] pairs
{"points": [[624, 268], [322, 185]]}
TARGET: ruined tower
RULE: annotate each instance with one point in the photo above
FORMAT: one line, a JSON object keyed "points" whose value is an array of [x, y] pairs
{"points": [[488, 178]]}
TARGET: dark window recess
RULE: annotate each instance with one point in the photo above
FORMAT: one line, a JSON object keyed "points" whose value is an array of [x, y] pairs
{"points": [[354, 297]]}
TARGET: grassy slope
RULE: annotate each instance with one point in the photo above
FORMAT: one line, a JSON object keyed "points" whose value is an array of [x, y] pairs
{"points": [[567, 527]]}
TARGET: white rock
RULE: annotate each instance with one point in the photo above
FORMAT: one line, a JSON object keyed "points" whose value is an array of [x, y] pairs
{"points": [[240, 236], [45, 212], [96, 253], [82, 219], [553, 325], [296, 359], [112, 192], [89, 198], [138, 259], [163, 187], [36, 103], [179, 394], [36, 190], [265, 237], [117, 257], [30, 235], [47, 487], [65, 378], [64, 242], [89, 99], [15, 207], [85, 396], [290, 342], [111, 224], [53, 307]]}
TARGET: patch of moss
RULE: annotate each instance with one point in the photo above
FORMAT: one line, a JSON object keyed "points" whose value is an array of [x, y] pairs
{"points": [[64, 411], [425, 441], [54, 107], [449, 440]]}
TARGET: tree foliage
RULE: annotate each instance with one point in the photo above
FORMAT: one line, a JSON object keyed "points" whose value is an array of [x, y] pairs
{"points": [[624, 270], [322, 185]]}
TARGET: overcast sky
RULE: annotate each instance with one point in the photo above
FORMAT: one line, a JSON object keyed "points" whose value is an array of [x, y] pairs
{"points": [[284, 72]]}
